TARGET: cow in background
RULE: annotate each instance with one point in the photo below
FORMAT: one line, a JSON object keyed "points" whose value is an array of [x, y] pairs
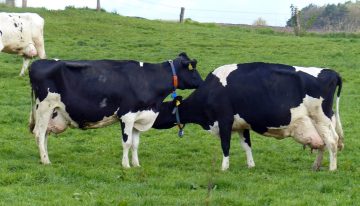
{"points": [[271, 99], [94, 94], [22, 34]]}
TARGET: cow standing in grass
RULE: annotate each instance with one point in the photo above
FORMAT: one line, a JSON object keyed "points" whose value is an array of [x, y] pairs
{"points": [[22, 34], [270, 99], [94, 94]]}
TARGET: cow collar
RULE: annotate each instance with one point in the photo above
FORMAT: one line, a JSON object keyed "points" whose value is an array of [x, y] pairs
{"points": [[177, 116], [175, 78], [177, 102]]}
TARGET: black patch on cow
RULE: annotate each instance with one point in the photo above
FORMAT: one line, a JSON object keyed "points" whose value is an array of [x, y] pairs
{"points": [[246, 134], [15, 24], [0, 33], [37, 106], [124, 136]]}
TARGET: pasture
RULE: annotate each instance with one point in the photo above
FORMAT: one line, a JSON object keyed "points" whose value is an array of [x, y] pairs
{"points": [[86, 165]]}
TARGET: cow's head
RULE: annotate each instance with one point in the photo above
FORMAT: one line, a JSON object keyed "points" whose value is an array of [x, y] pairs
{"points": [[188, 76], [167, 118]]}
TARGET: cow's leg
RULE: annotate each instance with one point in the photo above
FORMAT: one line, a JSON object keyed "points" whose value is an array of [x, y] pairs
{"points": [[127, 125], [318, 160], [328, 134], [26, 62], [246, 145], [338, 130], [1, 45], [39, 45], [134, 147], [225, 137], [42, 118]]}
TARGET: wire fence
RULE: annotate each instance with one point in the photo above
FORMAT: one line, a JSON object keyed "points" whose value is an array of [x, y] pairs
{"points": [[171, 12]]}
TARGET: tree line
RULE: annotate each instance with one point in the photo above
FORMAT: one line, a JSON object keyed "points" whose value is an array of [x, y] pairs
{"points": [[329, 18]]}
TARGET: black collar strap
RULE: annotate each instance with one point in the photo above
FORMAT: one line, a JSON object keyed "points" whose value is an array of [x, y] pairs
{"points": [[175, 79], [177, 102], [177, 116]]}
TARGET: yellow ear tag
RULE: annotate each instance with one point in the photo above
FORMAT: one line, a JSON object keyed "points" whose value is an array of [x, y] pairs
{"points": [[190, 67], [177, 103]]}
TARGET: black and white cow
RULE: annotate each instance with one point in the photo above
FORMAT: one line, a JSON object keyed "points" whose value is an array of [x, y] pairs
{"points": [[270, 99], [94, 94], [22, 34]]}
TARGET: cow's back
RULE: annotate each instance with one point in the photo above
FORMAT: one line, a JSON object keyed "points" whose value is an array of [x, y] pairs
{"points": [[18, 30]]}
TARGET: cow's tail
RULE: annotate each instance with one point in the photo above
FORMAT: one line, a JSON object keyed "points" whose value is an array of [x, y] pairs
{"points": [[32, 112], [338, 126]]}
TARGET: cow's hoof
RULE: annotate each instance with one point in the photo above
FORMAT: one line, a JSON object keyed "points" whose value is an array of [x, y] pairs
{"points": [[126, 165], [45, 162], [251, 166], [316, 167], [135, 164]]}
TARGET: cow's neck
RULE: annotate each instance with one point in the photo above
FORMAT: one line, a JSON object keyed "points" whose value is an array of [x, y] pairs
{"points": [[192, 111], [163, 82]]}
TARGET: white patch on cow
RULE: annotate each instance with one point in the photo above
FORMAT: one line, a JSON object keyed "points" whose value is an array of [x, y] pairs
{"points": [[313, 71], [225, 163], [52, 103], [301, 126], [214, 129], [103, 103], [141, 120], [102, 78], [248, 151], [45, 122], [223, 72], [57, 59], [239, 123], [134, 147], [141, 64], [145, 119], [135, 122], [305, 123]]}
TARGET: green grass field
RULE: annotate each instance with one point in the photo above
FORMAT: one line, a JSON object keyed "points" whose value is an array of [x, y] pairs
{"points": [[86, 165]]}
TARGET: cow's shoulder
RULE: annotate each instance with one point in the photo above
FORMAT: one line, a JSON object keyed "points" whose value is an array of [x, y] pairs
{"points": [[42, 68]]}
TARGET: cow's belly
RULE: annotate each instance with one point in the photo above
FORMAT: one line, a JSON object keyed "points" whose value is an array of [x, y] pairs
{"points": [[145, 119], [106, 121], [15, 45]]}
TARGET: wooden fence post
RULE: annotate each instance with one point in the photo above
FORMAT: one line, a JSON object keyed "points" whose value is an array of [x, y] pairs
{"points": [[182, 14], [24, 3], [98, 7]]}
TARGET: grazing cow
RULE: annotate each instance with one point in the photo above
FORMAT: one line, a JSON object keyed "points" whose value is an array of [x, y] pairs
{"points": [[270, 99], [94, 94], [22, 34]]}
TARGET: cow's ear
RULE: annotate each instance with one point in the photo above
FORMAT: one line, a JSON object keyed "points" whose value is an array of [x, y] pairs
{"points": [[190, 64]]}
